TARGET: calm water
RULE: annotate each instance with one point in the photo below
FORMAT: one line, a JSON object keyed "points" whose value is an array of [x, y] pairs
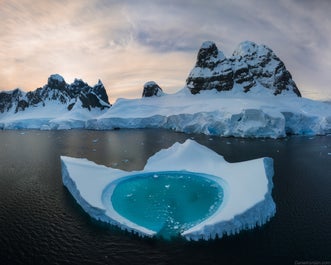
{"points": [[40, 223], [167, 202]]}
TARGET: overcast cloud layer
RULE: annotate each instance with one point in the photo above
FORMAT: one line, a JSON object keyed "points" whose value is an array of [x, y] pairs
{"points": [[126, 43]]}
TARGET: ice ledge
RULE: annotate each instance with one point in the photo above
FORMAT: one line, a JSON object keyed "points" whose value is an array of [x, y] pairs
{"points": [[257, 215], [231, 113], [249, 185]]}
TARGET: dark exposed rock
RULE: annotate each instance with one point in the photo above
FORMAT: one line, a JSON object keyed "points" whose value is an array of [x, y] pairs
{"points": [[21, 105], [56, 82], [152, 89], [212, 70], [8, 99], [243, 76], [208, 56], [91, 100], [249, 66], [266, 68], [56, 90], [100, 91]]}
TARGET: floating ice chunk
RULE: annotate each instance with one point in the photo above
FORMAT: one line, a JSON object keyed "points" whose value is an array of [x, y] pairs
{"points": [[245, 202]]}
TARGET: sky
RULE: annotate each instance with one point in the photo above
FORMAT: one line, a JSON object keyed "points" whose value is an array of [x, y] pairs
{"points": [[127, 43]]}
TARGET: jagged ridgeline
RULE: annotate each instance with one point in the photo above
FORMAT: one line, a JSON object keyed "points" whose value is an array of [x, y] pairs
{"points": [[249, 66], [56, 90]]}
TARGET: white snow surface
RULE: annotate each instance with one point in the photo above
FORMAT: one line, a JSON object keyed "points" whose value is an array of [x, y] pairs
{"points": [[257, 113], [247, 201], [53, 116]]}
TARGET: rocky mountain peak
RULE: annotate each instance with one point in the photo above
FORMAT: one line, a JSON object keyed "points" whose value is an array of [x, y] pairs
{"points": [[56, 81], [57, 90], [100, 91], [249, 66], [212, 70], [209, 56], [151, 89]]}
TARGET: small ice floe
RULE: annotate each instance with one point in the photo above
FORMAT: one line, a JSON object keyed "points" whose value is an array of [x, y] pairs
{"points": [[329, 154], [95, 140], [94, 150], [155, 176], [167, 186], [125, 160]]}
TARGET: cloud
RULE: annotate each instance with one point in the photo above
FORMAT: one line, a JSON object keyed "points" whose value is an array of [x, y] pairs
{"points": [[126, 43]]}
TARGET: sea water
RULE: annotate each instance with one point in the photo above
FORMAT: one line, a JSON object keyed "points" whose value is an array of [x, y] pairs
{"points": [[40, 222]]}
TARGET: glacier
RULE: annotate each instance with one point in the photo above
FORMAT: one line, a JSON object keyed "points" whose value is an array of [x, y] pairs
{"points": [[257, 113], [247, 185]]}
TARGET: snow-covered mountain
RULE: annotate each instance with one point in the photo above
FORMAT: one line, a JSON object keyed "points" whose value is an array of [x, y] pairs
{"points": [[56, 105], [250, 65], [152, 89], [56, 91], [250, 94]]}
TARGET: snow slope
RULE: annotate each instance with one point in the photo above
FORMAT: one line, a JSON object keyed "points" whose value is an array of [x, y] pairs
{"points": [[53, 116], [248, 187]]}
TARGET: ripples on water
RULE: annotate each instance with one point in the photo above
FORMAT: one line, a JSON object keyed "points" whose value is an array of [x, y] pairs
{"points": [[40, 223]]}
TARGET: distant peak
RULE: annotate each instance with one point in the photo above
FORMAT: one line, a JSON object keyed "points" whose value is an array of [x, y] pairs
{"points": [[151, 89], [249, 48], [208, 44], [56, 77]]}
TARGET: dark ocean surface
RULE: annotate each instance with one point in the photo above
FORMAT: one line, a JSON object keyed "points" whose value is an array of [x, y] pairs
{"points": [[40, 222]]}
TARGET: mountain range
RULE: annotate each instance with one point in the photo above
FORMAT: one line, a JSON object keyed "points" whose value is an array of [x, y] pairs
{"points": [[56, 90], [250, 94]]}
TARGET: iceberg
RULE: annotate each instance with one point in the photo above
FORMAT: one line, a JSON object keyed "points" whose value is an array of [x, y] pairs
{"points": [[186, 190]]}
